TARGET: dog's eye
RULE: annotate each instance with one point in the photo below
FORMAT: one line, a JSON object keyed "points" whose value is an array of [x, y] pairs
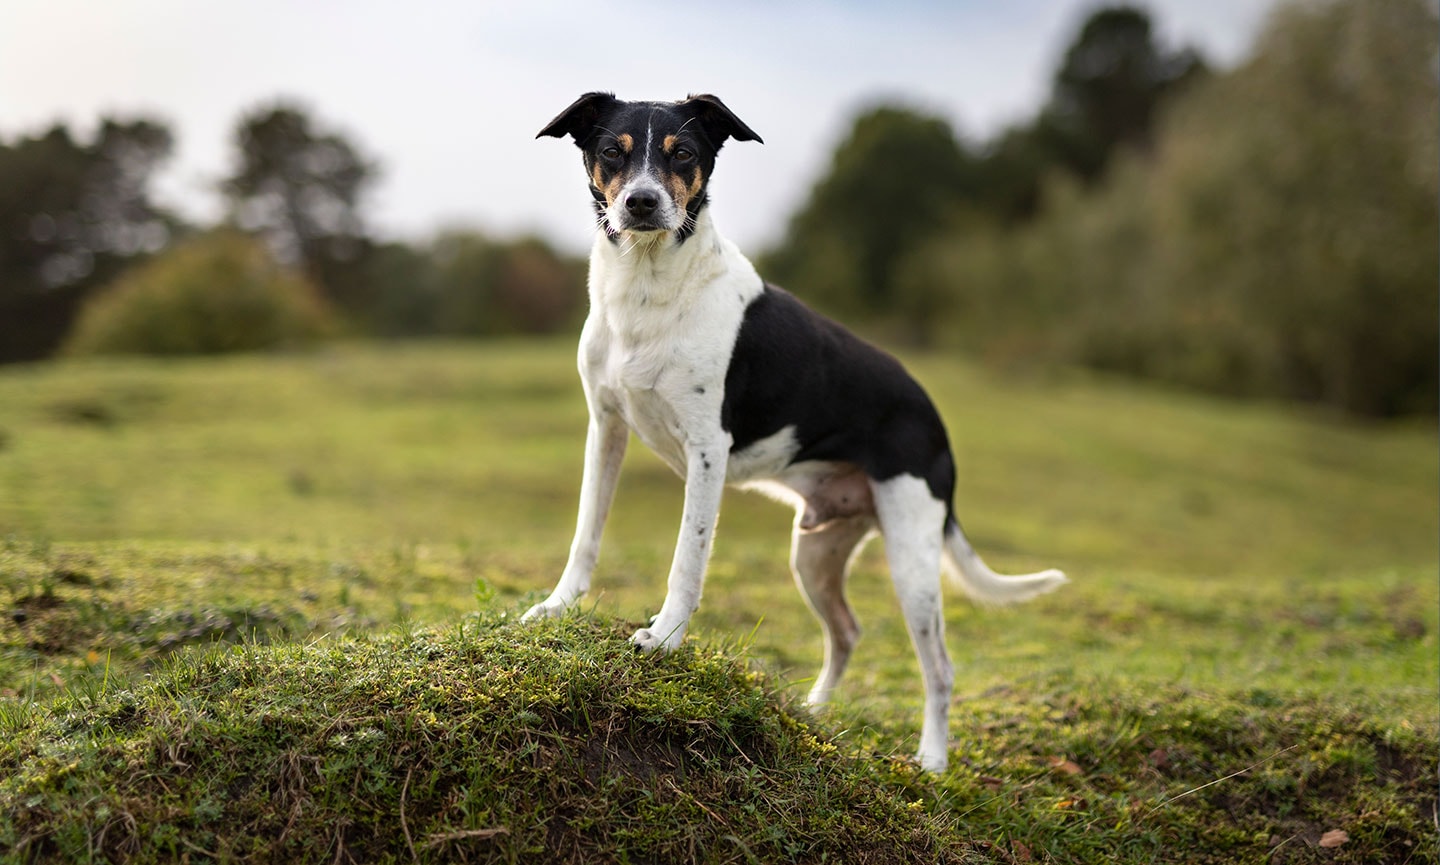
{"points": [[611, 152], [683, 155]]}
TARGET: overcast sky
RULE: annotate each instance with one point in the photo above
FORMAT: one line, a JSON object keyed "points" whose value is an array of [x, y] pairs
{"points": [[447, 96]]}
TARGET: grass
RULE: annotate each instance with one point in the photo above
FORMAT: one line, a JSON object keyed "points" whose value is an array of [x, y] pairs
{"points": [[479, 740], [1246, 660]]}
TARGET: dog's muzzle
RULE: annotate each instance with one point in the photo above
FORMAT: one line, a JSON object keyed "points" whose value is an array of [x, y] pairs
{"points": [[642, 207]]}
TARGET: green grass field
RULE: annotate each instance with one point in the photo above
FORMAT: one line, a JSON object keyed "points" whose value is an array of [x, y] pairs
{"points": [[1245, 661]]}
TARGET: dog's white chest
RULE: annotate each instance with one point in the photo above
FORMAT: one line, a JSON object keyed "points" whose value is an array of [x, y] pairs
{"points": [[642, 381], [665, 383], [658, 341]]}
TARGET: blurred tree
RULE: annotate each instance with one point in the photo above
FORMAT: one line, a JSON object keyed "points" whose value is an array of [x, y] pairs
{"points": [[1105, 95], [402, 285], [901, 179], [301, 188], [1012, 167], [1108, 87], [72, 215], [538, 291], [1301, 196], [487, 287], [1281, 239], [895, 181]]}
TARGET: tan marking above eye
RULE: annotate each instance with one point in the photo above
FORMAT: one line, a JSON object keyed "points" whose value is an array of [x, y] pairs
{"points": [[672, 147], [626, 141]]}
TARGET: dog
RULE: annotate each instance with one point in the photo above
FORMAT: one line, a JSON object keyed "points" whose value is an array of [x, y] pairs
{"points": [[730, 380]]}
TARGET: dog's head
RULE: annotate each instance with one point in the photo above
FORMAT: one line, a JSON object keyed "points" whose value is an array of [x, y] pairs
{"points": [[649, 162]]}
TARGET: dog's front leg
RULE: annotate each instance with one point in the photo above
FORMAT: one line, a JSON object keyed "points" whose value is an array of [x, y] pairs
{"points": [[605, 441], [704, 484]]}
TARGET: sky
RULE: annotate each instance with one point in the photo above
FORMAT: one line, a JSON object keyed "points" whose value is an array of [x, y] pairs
{"points": [[447, 96]]}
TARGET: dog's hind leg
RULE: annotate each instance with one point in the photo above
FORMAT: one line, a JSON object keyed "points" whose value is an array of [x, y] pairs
{"points": [[913, 522], [820, 559]]}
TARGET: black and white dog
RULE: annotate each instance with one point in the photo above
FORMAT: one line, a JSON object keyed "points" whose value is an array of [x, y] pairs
{"points": [[731, 380]]}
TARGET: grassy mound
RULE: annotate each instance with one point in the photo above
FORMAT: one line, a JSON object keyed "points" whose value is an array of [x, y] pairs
{"points": [[489, 741], [485, 741]]}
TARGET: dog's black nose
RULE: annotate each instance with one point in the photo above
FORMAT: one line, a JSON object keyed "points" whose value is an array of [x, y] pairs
{"points": [[641, 203]]}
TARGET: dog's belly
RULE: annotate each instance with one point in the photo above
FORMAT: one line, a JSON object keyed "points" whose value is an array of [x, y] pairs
{"points": [[821, 491], [763, 459]]}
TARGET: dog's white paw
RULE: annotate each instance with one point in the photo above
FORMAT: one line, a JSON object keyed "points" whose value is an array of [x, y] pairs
{"points": [[818, 698], [544, 610], [654, 639], [936, 763]]}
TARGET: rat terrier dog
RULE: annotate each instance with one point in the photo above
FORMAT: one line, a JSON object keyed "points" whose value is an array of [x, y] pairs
{"points": [[731, 380]]}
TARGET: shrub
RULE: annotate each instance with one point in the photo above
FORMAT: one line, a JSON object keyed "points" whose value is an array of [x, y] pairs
{"points": [[218, 293]]}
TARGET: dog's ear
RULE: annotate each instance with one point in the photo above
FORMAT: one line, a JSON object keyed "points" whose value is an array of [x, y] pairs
{"points": [[579, 120], [719, 122]]}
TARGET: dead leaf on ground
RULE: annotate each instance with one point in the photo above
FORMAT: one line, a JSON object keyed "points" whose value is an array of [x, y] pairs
{"points": [[1334, 838], [1065, 767]]}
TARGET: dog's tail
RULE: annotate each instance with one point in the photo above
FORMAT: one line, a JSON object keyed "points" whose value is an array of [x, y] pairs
{"points": [[964, 566]]}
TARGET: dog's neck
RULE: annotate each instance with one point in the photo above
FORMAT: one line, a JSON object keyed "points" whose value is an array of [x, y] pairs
{"points": [[655, 269]]}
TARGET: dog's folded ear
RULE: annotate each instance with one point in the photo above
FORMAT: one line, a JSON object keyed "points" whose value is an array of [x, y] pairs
{"points": [[579, 120], [718, 121]]}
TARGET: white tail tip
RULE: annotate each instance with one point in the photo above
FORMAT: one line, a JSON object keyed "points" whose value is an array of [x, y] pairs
{"points": [[987, 587]]}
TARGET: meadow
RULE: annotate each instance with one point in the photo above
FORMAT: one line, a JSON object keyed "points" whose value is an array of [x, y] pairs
{"points": [[1244, 667]]}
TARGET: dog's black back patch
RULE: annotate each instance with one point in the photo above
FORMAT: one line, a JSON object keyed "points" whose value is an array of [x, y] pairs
{"points": [[847, 400]]}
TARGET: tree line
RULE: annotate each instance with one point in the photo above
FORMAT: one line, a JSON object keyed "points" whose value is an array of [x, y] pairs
{"points": [[77, 217], [1267, 230]]}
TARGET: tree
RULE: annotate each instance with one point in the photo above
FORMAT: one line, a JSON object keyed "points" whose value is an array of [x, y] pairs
{"points": [[893, 182], [486, 287], [301, 188], [1106, 94], [1108, 87], [72, 215]]}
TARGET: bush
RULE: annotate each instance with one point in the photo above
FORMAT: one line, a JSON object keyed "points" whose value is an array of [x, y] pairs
{"points": [[218, 293]]}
